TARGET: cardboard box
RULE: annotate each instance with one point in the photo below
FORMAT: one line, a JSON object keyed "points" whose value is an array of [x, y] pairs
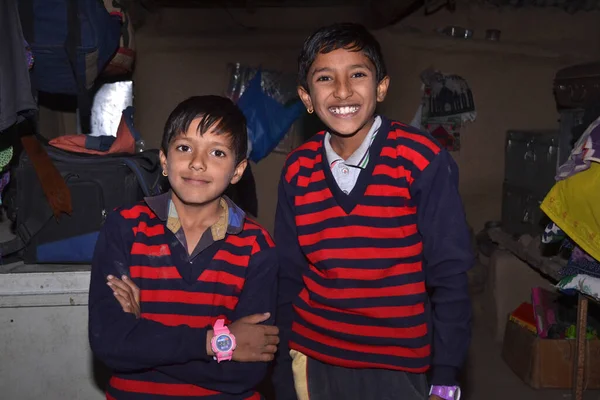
{"points": [[548, 363], [509, 284]]}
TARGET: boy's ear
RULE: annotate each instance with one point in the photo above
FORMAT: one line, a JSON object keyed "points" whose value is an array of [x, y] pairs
{"points": [[305, 97], [163, 160], [382, 88], [239, 171]]}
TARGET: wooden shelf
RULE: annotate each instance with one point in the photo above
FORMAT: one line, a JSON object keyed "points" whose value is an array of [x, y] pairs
{"points": [[529, 252]]}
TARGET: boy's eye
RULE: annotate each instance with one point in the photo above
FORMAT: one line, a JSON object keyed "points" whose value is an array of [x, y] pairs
{"points": [[359, 75], [218, 153], [323, 79], [184, 148]]}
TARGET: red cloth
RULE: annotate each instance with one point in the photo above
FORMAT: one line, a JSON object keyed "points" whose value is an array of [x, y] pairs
{"points": [[124, 143]]}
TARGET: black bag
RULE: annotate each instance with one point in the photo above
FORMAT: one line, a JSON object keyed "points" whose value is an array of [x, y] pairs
{"points": [[98, 184]]}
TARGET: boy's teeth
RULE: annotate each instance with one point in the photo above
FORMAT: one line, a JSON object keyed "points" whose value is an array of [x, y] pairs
{"points": [[344, 110]]}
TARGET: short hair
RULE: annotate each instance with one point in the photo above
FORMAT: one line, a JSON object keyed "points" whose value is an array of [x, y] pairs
{"points": [[346, 35], [217, 113]]}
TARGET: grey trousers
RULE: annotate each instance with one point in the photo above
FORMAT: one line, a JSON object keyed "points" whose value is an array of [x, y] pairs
{"points": [[329, 382]]}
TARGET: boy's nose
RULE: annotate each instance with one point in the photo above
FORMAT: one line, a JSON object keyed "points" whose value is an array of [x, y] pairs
{"points": [[343, 90], [198, 163]]}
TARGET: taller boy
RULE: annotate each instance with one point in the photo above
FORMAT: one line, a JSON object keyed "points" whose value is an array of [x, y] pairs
{"points": [[372, 241]]}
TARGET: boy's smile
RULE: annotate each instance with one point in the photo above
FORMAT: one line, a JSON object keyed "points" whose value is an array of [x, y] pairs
{"points": [[343, 91], [344, 112], [198, 181]]}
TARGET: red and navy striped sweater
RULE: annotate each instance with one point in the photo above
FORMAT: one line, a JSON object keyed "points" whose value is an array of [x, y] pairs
{"points": [[163, 355], [355, 270]]}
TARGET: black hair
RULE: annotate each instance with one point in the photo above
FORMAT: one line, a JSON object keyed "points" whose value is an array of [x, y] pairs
{"points": [[345, 35], [217, 113]]}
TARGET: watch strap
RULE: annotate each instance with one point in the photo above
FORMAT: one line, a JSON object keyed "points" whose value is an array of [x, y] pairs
{"points": [[219, 327]]}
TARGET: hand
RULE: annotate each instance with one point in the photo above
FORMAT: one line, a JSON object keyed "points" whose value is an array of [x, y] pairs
{"points": [[127, 293], [254, 342], [434, 397]]}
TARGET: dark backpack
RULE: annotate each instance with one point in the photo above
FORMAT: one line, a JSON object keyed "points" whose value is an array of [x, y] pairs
{"points": [[71, 41], [98, 184]]}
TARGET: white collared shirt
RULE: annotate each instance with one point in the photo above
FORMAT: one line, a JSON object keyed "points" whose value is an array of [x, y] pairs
{"points": [[346, 172]]}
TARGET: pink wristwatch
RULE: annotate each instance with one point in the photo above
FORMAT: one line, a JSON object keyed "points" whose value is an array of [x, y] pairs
{"points": [[446, 392], [223, 341]]}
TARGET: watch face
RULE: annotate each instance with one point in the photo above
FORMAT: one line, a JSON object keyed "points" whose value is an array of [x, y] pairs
{"points": [[224, 343]]}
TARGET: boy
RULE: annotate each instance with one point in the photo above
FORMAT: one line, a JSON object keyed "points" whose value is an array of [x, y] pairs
{"points": [[199, 264], [372, 241]]}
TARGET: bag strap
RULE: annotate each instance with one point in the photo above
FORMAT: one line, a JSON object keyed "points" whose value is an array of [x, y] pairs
{"points": [[56, 191], [146, 172], [24, 232], [73, 41], [53, 185]]}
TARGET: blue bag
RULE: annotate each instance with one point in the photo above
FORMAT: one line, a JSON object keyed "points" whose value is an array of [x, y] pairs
{"points": [[268, 121]]}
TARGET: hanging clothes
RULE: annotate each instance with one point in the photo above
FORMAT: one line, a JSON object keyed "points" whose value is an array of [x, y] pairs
{"points": [[15, 87], [574, 205], [585, 151]]}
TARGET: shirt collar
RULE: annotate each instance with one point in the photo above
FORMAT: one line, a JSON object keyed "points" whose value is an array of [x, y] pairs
{"points": [[359, 154], [231, 220]]}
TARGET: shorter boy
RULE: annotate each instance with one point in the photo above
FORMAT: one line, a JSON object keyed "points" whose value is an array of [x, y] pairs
{"points": [[196, 275]]}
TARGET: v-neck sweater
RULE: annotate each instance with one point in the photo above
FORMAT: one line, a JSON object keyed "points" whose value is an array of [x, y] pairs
{"points": [[162, 355]]}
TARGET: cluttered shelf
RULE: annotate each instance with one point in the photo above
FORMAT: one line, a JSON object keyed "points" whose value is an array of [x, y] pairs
{"points": [[527, 248]]}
